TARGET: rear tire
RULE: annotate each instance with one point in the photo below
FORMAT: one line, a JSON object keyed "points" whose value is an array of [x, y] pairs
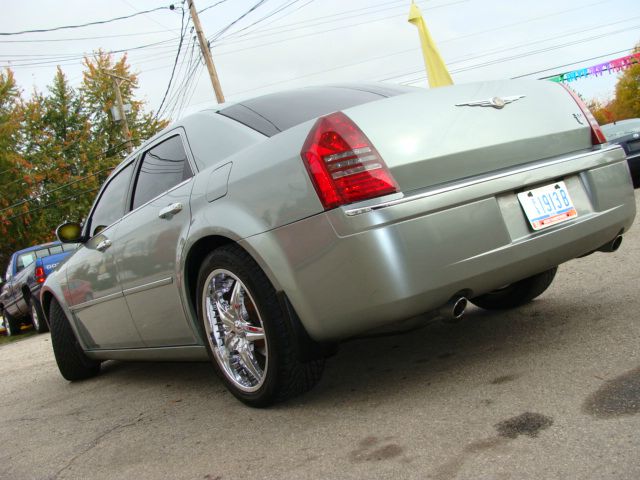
{"points": [[246, 333], [11, 324], [516, 294], [71, 359], [37, 316]]}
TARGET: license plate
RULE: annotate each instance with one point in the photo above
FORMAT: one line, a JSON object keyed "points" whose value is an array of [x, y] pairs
{"points": [[548, 205]]}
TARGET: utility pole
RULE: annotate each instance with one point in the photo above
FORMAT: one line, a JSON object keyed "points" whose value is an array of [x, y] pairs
{"points": [[206, 53], [117, 81]]}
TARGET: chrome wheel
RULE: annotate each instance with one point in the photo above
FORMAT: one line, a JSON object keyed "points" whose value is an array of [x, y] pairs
{"points": [[35, 318], [234, 330]]}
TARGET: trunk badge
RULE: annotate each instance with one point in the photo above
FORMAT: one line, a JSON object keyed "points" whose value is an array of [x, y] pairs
{"points": [[495, 102]]}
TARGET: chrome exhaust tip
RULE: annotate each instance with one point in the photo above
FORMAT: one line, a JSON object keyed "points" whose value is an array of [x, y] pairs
{"points": [[611, 246], [454, 309]]}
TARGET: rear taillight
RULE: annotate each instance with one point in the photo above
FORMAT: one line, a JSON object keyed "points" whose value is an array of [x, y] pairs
{"points": [[40, 277], [597, 137], [343, 164]]}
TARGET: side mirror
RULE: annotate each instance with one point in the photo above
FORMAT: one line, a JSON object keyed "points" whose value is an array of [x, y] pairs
{"points": [[69, 233]]}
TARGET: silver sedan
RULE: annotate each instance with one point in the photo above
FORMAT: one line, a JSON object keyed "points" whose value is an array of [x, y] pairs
{"points": [[262, 233]]}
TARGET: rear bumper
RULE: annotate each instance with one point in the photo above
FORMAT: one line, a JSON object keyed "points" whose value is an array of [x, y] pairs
{"points": [[354, 269]]}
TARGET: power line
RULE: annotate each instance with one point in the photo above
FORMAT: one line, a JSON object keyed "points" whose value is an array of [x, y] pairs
{"points": [[78, 39], [513, 57], [569, 64], [220, 32], [510, 48], [60, 187], [100, 22], [47, 205], [269, 15], [211, 6], [183, 32], [82, 56]]}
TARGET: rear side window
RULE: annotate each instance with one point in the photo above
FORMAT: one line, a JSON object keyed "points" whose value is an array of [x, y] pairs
{"points": [[163, 167], [112, 202]]}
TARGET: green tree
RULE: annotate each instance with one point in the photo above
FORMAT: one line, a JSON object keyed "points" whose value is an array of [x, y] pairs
{"points": [[98, 96], [57, 147], [13, 168]]}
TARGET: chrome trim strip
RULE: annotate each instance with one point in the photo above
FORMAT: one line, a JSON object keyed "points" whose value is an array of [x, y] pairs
{"points": [[186, 353], [474, 181], [90, 303], [148, 286]]}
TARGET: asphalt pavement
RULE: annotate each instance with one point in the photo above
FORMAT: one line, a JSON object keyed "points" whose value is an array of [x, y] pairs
{"points": [[547, 391]]}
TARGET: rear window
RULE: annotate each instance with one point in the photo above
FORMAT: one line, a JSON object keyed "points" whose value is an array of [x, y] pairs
{"points": [[274, 113]]}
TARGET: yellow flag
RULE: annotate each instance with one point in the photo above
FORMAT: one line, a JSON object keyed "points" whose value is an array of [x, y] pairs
{"points": [[437, 72]]}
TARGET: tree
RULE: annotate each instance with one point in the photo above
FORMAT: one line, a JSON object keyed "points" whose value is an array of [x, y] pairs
{"points": [[13, 168], [57, 147], [626, 103], [99, 98]]}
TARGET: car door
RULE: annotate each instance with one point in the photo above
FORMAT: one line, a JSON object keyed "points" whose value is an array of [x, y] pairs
{"points": [[100, 311], [6, 293], [150, 241]]}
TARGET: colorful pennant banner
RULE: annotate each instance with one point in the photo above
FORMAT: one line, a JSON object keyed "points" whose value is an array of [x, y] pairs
{"points": [[616, 65]]}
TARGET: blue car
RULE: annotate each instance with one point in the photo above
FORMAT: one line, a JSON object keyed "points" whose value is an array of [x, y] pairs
{"points": [[26, 272]]}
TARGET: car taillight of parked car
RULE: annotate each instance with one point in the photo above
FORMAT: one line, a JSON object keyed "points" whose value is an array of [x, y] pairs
{"points": [[40, 276], [343, 164]]}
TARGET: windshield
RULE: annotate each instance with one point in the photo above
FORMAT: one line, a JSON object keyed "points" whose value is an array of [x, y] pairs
{"points": [[621, 128]]}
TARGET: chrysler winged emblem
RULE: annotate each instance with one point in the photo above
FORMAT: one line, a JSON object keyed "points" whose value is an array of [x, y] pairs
{"points": [[495, 102]]}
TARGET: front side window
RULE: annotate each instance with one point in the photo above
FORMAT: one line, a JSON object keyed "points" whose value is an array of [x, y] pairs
{"points": [[163, 167], [112, 202]]}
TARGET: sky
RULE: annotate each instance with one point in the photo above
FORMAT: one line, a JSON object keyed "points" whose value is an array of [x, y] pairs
{"points": [[283, 44]]}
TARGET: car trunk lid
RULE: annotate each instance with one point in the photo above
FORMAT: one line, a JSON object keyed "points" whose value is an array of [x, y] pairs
{"points": [[436, 136]]}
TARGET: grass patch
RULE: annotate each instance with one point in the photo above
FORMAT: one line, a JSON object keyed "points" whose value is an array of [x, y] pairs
{"points": [[26, 333]]}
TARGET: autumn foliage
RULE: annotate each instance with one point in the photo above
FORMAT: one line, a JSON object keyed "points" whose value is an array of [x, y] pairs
{"points": [[58, 146], [626, 103]]}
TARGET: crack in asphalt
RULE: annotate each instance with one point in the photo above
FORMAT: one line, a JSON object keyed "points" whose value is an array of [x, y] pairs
{"points": [[93, 444]]}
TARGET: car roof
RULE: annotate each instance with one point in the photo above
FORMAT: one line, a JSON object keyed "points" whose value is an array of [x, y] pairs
{"points": [[271, 113], [38, 247], [274, 113]]}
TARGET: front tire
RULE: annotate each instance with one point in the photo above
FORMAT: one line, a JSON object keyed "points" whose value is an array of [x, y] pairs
{"points": [[71, 359], [516, 294], [37, 316], [245, 331]]}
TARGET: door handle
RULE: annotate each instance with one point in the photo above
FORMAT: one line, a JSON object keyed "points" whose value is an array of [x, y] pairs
{"points": [[168, 212], [103, 245]]}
